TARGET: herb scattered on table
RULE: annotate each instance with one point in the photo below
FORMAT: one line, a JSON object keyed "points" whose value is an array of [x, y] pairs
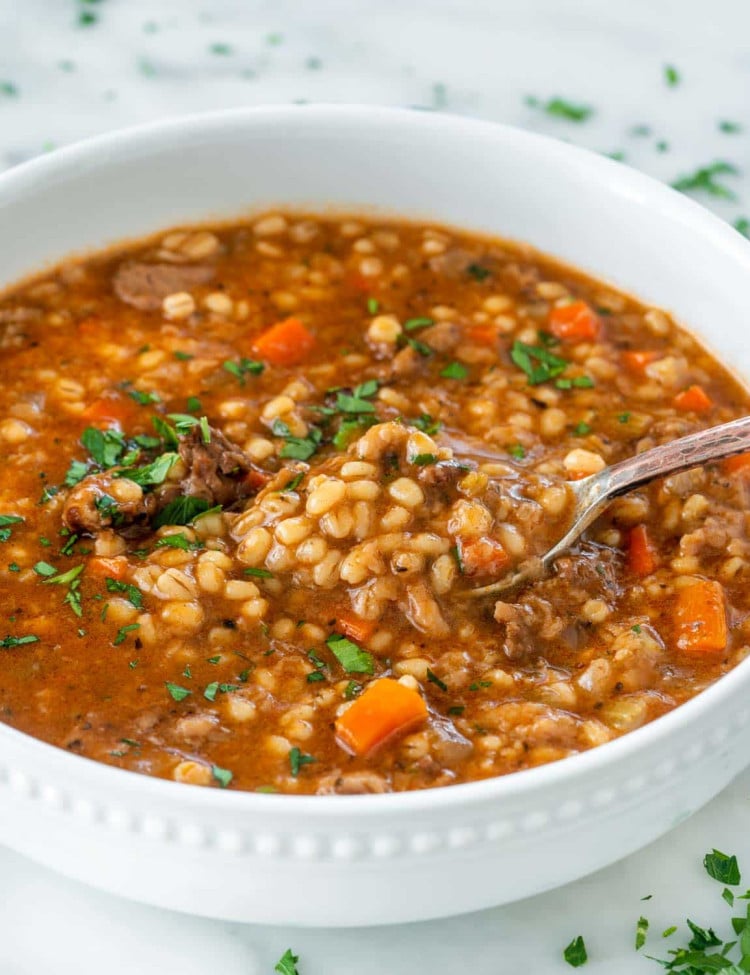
{"points": [[287, 964], [575, 954], [704, 180], [561, 108]]}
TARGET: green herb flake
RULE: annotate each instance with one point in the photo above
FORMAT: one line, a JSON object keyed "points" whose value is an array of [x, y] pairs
{"points": [[353, 404], [641, 929], [517, 451], [17, 641], [456, 710], [144, 398], [561, 108], [419, 347], [193, 404], [314, 676], [478, 272], [222, 775], [178, 540], [220, 48], [176, 692], [623, 417], [152, 474], [575, 954], [352, 690], [412, 324], [45, 569], [704, 180], [742, 226], [287, 964], [352, 657], [434, 679], [211, 691], [181, 511], [426, 424], [258, 573], [243, 368], [722, 868], [14, 567], [133, 595], [122, 633], [454, 370], [298, 759], [182, 356], [581, 429], [729, 128], [373, 306], [537, 363], [728, 896], [424, 460], [293, 484], [671, 76], [668, 932]]}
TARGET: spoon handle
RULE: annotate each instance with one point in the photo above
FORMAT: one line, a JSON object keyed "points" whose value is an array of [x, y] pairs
{"points": [[714, 443]]}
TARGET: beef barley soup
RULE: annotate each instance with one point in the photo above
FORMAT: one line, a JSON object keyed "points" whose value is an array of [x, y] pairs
{"points": [[249, 474]]}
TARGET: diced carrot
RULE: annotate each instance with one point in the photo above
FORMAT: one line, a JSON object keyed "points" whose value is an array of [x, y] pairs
{"points": [[694, 399], [737, 464], [482, 556], [109, 411], [485, 334], [385, 708], [355, 627], [637, 361], [286, 343], [116, 568], [360, 282], [574, 322], [701, 618], [642, 558]]}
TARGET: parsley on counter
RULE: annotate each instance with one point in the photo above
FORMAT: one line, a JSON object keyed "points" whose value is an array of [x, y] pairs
{"points": [[671, 75], [561, 108], [705, 180], [575, 954], [722, 868], [287, 964]]}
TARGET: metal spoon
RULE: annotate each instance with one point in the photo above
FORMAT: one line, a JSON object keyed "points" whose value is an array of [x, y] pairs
{"points": [[593, 494]]}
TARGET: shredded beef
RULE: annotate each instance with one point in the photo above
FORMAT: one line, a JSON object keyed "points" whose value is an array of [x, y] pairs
{"points": [[145, 286]]}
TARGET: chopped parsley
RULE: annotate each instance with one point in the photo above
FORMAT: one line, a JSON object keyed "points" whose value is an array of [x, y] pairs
{"points": [[722, 868], [412, 324], [176, 692], [641, 929], [577, 382], [352, 657], [418, 346], [17, 641], [293, 484], [478, 272], [454, 370], [352, 690], [539, 364], [75, 473], [181, 511], [258, 573], [143, 398], [153, 473], [6, 523], [373, 306], [457, 710], [561, 108], [671, 75], [122, 633], [423, 460], [517, 451], [426, 424], [220, 48], [742, 226], [132, 593], [45, 569], [178, 540], [575, 954], [287, 964], [182, 356], [297, 759], [623, 417], [243, 368], [729, 128], [296, 448], [215, 687], [705, 180], [434, 679], [222, 775], [581, 429], [14, 567]]}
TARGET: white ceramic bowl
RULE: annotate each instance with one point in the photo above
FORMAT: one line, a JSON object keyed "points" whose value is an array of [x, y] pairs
{"points": [[384, 858]]}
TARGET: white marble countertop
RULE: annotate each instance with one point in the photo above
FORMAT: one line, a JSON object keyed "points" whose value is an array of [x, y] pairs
{"points": [[62, 79]]}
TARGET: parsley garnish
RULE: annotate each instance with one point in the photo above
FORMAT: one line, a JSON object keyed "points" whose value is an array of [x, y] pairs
{"points": [[132, 593], [641, 929], [123, 632], [671, 75], [181, 511], [75, 473], [45, 569], [577, 382], [517, 451], [454, 370], [296, 448], [538, 363], [244, 368], [412, 324], [176, 692], [5, 522], [143, 398], [561, 108], [297, 759], [722, 868], [423, 460], [729, 128], [704, 180], [151, 474], [575, 954], [17, 641], [293, 484], [351, 690], [623, 417], [215, 688], [742, 226], [287, 964], [434, 679], [182, 356], [258, 573], [581, 429], [352, 658], [222, 775], [178, 540], [478, 272], [426, 424], [373, 306]]}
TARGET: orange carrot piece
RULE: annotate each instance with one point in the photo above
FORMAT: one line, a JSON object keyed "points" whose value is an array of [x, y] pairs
{"points": [[701, 618], [637, 361], [286, 343], [735, 465], [482, 556], [694, 399], [354, 627], [485, 334], [642, 558], [116, 568], [384, 709], [109, 411], [574, 322]]}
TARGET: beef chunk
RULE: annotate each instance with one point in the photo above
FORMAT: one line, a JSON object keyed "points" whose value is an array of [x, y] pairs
{"points": [[217, 471], [145, 286]]}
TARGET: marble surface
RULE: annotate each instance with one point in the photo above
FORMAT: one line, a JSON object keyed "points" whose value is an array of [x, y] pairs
{"points": [[62, 79]]}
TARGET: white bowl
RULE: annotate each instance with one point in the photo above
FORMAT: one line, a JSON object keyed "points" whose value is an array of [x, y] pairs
{"points": [[386, 858]]}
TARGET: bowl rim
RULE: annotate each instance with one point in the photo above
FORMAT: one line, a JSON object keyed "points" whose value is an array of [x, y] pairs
{"points": [[614, 178]]}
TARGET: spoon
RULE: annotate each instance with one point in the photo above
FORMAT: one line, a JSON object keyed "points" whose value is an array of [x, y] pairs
{"points": [[593, 494]]}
